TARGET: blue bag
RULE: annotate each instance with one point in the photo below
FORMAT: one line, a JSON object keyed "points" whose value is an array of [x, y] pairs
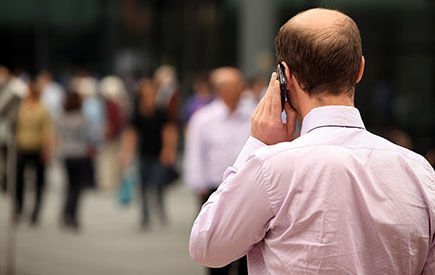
{"points": [[126, 188]]}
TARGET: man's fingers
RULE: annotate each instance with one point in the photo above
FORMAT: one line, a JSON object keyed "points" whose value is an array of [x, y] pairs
{"points": [[276, 107], [266, 121], [273, 98], [267, 98], [259, 109], [270, 87], [273, 77], [262, 111]]}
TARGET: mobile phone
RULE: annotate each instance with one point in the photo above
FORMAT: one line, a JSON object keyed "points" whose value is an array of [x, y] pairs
{"points": [[280, 70]]}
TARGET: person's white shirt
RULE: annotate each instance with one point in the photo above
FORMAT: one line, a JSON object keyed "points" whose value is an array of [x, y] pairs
{"points": [[53, 98], [214, 139]]}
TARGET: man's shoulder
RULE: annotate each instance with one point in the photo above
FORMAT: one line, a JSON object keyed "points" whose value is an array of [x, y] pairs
{"points": [[306, 149], [206, 113], [291, 150], [384, 145]]}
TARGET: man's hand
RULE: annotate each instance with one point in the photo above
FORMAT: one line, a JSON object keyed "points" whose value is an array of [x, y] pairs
{"points": [[266, 123], [168, 154], [168, 157], [128, 147]]}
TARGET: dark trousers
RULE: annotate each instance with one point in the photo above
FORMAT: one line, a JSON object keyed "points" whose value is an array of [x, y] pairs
{"points": [[3, 173], [24, 160], [239, 266], [75, 172], [152, 187]]}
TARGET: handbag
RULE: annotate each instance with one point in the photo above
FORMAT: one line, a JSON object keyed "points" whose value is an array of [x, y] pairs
{"points": [[126, 188], [172, 175]]}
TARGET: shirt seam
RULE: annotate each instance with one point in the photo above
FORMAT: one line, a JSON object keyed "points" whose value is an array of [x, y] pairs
{"points": [[267, 187], [348, 147]]}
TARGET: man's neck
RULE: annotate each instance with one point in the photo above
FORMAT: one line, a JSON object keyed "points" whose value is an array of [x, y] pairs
{"points": [[231, 105], [326, 100]]}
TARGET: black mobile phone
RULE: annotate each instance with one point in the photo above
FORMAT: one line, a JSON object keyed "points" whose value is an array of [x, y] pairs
{"points": [[280, 70]]}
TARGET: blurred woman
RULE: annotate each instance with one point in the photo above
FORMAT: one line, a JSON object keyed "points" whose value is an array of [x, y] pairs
{"points": [[155, 138], [115, 100], [93, 110], [74, 142], [34, 138]]}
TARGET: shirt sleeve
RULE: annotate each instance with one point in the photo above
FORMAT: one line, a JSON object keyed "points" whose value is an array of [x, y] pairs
{"points": [[194, 153], [235, 217], [251, 145]]}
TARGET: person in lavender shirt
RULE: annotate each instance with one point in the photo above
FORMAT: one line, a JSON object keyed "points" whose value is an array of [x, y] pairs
{"points": [[337, 199], [215, 135]]}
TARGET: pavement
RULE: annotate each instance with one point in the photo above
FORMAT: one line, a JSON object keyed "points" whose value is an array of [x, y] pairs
{"points": [[109, 242]]}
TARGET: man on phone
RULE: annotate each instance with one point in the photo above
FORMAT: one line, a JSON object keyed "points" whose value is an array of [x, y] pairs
{"points": [[336, 200]]}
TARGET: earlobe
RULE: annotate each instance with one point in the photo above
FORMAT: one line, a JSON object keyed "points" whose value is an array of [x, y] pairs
{"points": [[361, 70]]}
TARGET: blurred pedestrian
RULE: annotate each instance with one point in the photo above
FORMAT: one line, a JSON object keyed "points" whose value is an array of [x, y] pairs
{"points": [[215, 135], [257, 85], [116, 105], [94, 112], [401, 138], [34, 141], [168, 94], [201, 96], [254, 92], [168, 100], [154, 137], [52, 93], [12, 90], [73, 132]]}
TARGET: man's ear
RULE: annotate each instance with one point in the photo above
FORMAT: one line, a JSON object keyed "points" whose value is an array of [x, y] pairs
{"points": [[292, 82], [292, 87], [287, 72], [361, 69]]}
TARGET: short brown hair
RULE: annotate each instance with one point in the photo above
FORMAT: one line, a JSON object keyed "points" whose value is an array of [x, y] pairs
{"points": [[73, 101], [322, 60]]}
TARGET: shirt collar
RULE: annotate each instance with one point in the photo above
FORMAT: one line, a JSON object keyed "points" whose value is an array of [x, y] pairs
{"points": [[333, 116]]}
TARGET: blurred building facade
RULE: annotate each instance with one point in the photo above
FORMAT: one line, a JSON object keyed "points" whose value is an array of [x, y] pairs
{"points": [[132, 37]]}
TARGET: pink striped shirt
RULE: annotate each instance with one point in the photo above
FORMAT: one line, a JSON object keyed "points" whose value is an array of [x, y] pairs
{"points": [[336, 200]]}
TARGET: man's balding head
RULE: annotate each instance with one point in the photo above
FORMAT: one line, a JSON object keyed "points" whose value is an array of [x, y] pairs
{"points": [[323, 50], [225, 76], [228, 83]]}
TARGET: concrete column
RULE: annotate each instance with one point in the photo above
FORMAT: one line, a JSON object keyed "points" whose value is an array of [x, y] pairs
{"points": [[257, 29]]}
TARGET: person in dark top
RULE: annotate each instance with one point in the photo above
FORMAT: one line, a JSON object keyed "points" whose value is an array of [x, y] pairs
{"points": [[154, 137], [74, 140]]}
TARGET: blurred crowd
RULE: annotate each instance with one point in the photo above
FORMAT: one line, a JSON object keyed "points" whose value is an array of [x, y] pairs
{"points": [[108, 132], [126, 135], [98, 129]]}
